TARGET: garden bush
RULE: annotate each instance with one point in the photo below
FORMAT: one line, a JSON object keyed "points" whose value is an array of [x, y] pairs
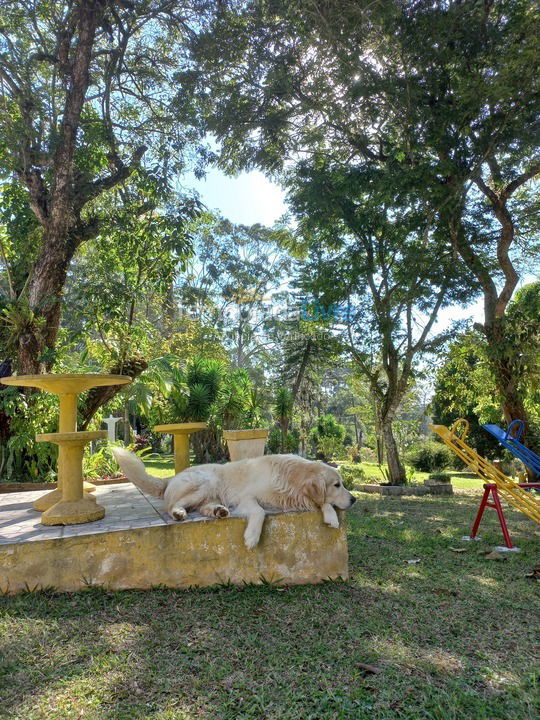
{"points": [[430, 456], [100, 464], [328, 437], [440, 477], [22, 459], [351, 475], [292, 441]]}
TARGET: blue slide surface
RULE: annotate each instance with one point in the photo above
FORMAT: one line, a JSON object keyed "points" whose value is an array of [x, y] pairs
{"points": [[516, 447]]}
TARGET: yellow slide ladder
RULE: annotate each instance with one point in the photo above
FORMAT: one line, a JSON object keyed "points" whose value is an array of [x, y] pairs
{"points": [[455, 437]]}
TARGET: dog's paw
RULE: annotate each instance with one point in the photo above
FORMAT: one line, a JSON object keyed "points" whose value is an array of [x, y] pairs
{"points": [[251, 539], [333, 523], [179, 514], [220, 511]]}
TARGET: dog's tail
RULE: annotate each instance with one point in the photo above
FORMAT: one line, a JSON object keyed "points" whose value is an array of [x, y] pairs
{"points": [[134, 470]]}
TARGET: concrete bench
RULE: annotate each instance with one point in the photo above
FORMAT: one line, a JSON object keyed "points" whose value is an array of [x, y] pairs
{"points": [[137, 545]]}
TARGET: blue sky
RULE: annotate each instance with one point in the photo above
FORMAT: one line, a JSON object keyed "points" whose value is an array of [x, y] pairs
{"points": [[246, 199]]}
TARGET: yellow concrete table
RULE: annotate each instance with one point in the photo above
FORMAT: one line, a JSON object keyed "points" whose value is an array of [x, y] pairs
{"points": [[68, 504], [181, 433]]}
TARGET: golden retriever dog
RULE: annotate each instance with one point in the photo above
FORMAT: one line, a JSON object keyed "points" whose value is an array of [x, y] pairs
{"points": [[250, 487]]}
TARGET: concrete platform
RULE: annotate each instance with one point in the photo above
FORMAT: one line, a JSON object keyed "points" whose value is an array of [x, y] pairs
{"points": [[138, 545], [418, 490]]}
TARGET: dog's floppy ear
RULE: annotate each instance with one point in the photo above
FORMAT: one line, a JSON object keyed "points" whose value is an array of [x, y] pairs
{"points": [[308, 480]]}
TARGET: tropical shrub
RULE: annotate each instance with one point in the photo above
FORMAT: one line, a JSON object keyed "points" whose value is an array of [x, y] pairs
{"points": [[140, 442], [209, 391], [283, 407], [100, 464], [22, 459]]}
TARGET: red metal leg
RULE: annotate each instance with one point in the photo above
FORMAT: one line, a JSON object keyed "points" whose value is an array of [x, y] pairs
{"points": [[492, 490], [502, 520], [480, 512]]}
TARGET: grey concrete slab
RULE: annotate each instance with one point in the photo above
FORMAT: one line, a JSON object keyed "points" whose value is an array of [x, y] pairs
{"points": [[126, 507]]}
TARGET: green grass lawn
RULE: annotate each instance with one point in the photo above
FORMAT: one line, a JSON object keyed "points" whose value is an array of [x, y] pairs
{"points": [[452, 637], [160, 465], [461, 479]]}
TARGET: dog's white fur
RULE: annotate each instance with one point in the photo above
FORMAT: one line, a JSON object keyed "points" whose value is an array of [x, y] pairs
{"points": [[271, 482]]}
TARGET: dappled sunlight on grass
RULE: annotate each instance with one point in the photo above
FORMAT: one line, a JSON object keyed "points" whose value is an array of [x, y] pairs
{"points": [[413, 657], [452, 637], [486, 581]]}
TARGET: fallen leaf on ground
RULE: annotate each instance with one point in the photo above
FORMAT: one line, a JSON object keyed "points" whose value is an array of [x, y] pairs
{"points": [[444, 591], [372, 669], [458, 550], [535, 573], [494, 555]]}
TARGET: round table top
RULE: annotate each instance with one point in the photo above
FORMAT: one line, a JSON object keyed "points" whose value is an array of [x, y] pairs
{"points": [[65, 384], [72, 438], [179, 428]]}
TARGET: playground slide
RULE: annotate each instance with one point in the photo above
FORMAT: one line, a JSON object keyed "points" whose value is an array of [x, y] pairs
{"points": [[455, 437], [514, 444]]}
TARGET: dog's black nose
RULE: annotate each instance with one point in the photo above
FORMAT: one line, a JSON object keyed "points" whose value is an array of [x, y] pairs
{"points": [[353, 499]]}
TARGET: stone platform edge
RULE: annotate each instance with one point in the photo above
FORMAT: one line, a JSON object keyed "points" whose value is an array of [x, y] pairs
{"points": [[418, 490], [295, 549]]}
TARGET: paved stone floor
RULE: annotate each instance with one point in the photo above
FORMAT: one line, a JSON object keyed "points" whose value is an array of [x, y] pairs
{"points": [[125, 507]]}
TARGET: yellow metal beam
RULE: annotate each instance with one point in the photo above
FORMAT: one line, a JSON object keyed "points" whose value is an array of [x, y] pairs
{"points": [[455, 438]]}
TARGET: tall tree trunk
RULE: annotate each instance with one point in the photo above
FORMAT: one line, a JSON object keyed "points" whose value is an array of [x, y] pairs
{"points": [[127, 433], [56, 208], [504, 373], [379, 446], [45, 300], [302, 369], [495, 303], [395, 468], [5, 421], [284, 426]]}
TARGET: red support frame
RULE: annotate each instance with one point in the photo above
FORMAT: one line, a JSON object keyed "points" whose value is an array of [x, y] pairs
{"points": [[491, 489]]}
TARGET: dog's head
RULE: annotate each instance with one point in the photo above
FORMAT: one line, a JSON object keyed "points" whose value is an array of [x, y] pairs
{"points": [[323, 484]]}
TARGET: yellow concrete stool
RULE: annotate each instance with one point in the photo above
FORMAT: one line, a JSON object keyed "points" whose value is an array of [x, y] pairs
{"points": [[76, 506], [181, 433]]}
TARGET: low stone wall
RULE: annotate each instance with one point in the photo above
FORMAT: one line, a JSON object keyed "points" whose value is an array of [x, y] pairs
{"points": [[442, 489], [295, 548]]}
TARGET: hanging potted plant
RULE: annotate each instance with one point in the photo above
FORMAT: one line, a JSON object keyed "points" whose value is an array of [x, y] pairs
{"points": [[240, 410]]}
